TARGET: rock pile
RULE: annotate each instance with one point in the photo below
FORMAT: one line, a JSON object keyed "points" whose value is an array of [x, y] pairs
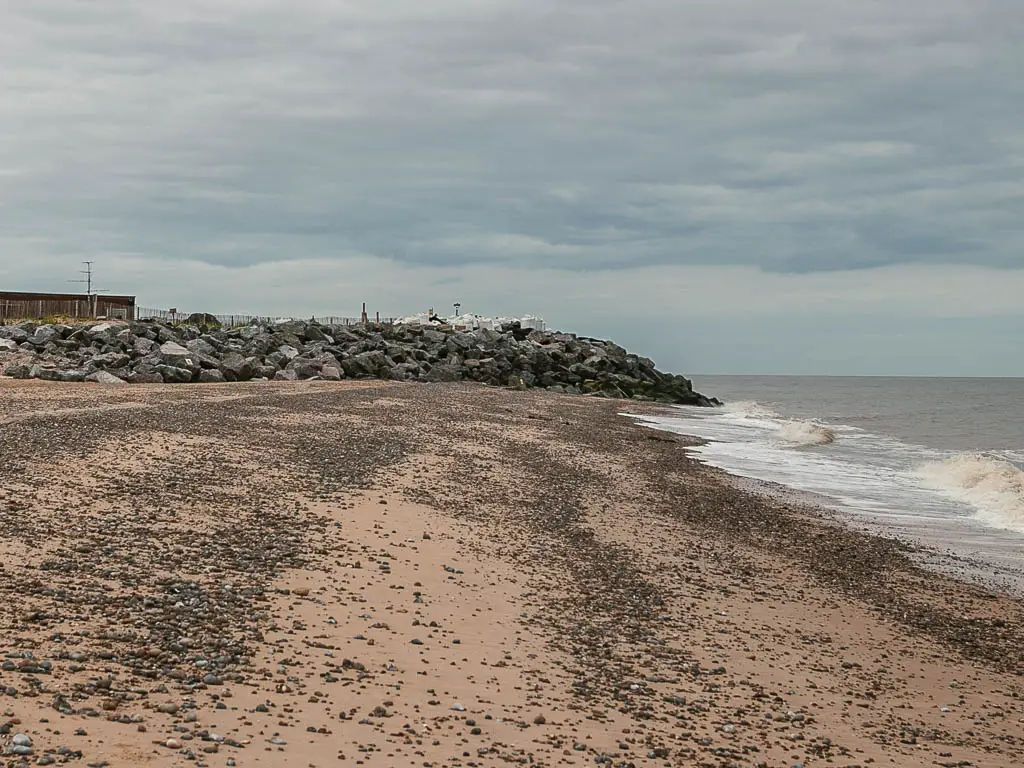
{"points": [[151, 352]]}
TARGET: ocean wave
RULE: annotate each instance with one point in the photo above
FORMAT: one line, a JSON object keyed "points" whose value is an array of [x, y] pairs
{"points": [[994, 487], [806, 433], [750, 409]]}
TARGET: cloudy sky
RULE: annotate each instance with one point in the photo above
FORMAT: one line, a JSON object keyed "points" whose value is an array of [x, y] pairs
{"points": [[807, 186]]}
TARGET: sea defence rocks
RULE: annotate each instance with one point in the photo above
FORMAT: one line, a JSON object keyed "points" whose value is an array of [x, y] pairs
{"points": [[151, 352]]}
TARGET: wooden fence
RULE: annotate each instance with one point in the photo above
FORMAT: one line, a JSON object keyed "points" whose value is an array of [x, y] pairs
{"points": [[38, 309]]}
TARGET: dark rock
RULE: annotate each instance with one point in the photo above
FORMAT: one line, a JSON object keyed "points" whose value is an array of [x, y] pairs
{"points": [[154, 352], [236, 368], [211, 376]]}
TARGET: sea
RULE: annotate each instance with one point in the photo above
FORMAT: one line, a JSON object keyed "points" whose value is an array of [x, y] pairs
{"points": [[937, 462]]}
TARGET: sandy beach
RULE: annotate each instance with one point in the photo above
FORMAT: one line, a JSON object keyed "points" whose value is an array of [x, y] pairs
{"points": [[372, 573]]}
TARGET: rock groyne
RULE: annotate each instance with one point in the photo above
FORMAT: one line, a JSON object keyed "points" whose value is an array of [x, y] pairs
{"points": [[152, 352]]}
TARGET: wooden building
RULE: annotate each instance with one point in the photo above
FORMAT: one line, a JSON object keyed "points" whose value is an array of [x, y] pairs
{"points": [[36, 306]]}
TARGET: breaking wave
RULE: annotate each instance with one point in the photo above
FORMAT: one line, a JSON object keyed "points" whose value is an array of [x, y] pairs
{"points": [[806, 433], [994, 487], [750, 409]]}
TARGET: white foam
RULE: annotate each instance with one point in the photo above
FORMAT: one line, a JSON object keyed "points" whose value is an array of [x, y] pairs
{"points": [[995, 488], [750, 409], [806, 433]]}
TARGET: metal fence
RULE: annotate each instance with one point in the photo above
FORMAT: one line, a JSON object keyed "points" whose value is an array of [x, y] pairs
{"points": [[238, 320]]}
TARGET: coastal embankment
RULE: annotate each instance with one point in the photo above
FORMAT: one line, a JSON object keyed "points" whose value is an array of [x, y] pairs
{"points": [[153, 352], [389, 573]]}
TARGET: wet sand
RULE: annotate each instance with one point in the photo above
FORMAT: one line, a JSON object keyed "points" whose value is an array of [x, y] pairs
{"points": [[383, 574]]}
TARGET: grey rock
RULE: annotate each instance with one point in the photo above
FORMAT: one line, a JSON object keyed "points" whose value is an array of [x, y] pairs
{"points": [[266, 372], [211, 376], [44, 335], [174, 375], [152, 352], [106, 378], [144, 346], [18, 371], [304, 368], [110, 360], [145, 377], [316, 333], [173, 355], [236, 368], [202, 347], [54, 374]]}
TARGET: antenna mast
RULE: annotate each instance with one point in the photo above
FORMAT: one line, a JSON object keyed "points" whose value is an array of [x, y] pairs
{"points": [[93, 295]]}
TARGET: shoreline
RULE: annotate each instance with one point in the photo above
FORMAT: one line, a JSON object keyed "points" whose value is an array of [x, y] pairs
{"points": [[963, 549], [403, 574]]}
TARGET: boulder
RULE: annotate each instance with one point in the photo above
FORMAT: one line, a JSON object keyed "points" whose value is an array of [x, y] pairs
{"points": [[145, 377], [54, 374], [18, 371], [366, 364], [153, 351], [105, 378], [45, 334], [236, 368], [144, 346], [173, 374], [443, 372], [211, 376], [173, 355], [203, 319], [110, 360], [201, 346], [315, 333], [304, 368]]}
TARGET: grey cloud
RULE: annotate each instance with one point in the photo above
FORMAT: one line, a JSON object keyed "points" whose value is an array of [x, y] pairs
{"points": [[792, 135]]}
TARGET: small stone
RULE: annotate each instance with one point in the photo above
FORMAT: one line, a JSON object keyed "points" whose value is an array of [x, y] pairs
{"points": [[21, 740], [539, 720], [168, 708], [172, 744]]}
